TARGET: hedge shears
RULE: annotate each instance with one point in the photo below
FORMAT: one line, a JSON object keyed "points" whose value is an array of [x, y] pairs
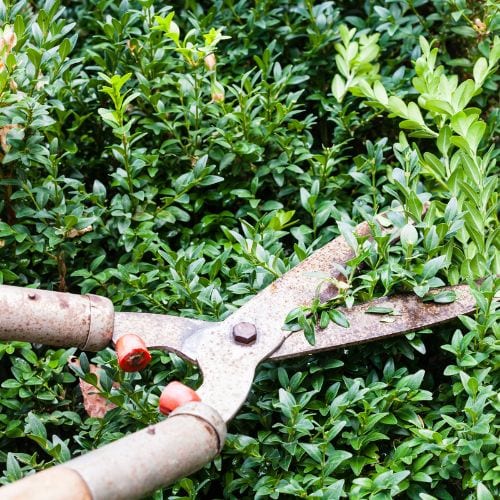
{"points": [[227, 353]]}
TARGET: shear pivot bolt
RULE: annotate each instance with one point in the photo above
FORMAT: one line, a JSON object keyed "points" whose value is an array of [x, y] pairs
{"points": [[245, 333]]}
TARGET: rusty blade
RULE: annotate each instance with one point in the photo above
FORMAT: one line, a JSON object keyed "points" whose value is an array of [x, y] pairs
{"points": [[410, 314], [228, 367], [163, 331]]}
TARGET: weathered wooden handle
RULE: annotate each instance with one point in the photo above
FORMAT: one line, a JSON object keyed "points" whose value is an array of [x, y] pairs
{"points": [[133, 466], [55, 318]]}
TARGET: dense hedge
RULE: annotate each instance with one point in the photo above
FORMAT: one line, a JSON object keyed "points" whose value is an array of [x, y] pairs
{"points": [[135, 168]]}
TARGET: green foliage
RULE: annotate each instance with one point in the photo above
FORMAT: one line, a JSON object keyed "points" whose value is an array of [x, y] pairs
{"points": [[460, 171], [181, 163]]}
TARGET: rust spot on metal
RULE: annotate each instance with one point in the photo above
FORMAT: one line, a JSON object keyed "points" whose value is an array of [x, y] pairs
{"points": [[245, 333], [210, 430], [63, 303], [329, 292]]}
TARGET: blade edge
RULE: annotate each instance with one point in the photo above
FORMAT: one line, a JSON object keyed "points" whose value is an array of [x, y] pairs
{"points": [[366, 327]]}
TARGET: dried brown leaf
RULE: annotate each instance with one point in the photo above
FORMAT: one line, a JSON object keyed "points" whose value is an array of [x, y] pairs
{"points": [[95, 405]]}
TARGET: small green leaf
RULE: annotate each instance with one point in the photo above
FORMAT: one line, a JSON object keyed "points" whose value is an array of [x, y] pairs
{"points": [[105, 381], [431, 240], [451, 370], [409, 235], [443, 140], [439, 106], [434, 265], [410, 125], [483, 493], [339, 318], [462, 95], [387, 320], [451, 209], [475, 134], [480, 71], [313, 451], [357, 464], [422, 477], [324, 319], [13, 468], [445, 297], [335, 458], [348, 233], [338, 88], [412, 381], [379, 310], [380, 93], [35, 426], [309, 332], [398, 107], [84, 363]]}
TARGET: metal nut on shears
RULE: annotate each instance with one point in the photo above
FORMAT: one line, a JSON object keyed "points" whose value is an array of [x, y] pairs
{"points": [[245, 333]]}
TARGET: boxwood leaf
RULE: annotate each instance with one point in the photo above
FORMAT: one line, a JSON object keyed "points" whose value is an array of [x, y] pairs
{"points": [[339, 318]]}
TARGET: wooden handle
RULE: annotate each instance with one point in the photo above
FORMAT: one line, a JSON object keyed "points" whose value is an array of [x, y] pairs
{"points": [[55, 318], [135, 465], [58, 483]]}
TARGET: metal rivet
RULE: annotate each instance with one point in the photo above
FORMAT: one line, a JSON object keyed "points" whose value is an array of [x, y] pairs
{"points": [[32, 296], [245, 333]]}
